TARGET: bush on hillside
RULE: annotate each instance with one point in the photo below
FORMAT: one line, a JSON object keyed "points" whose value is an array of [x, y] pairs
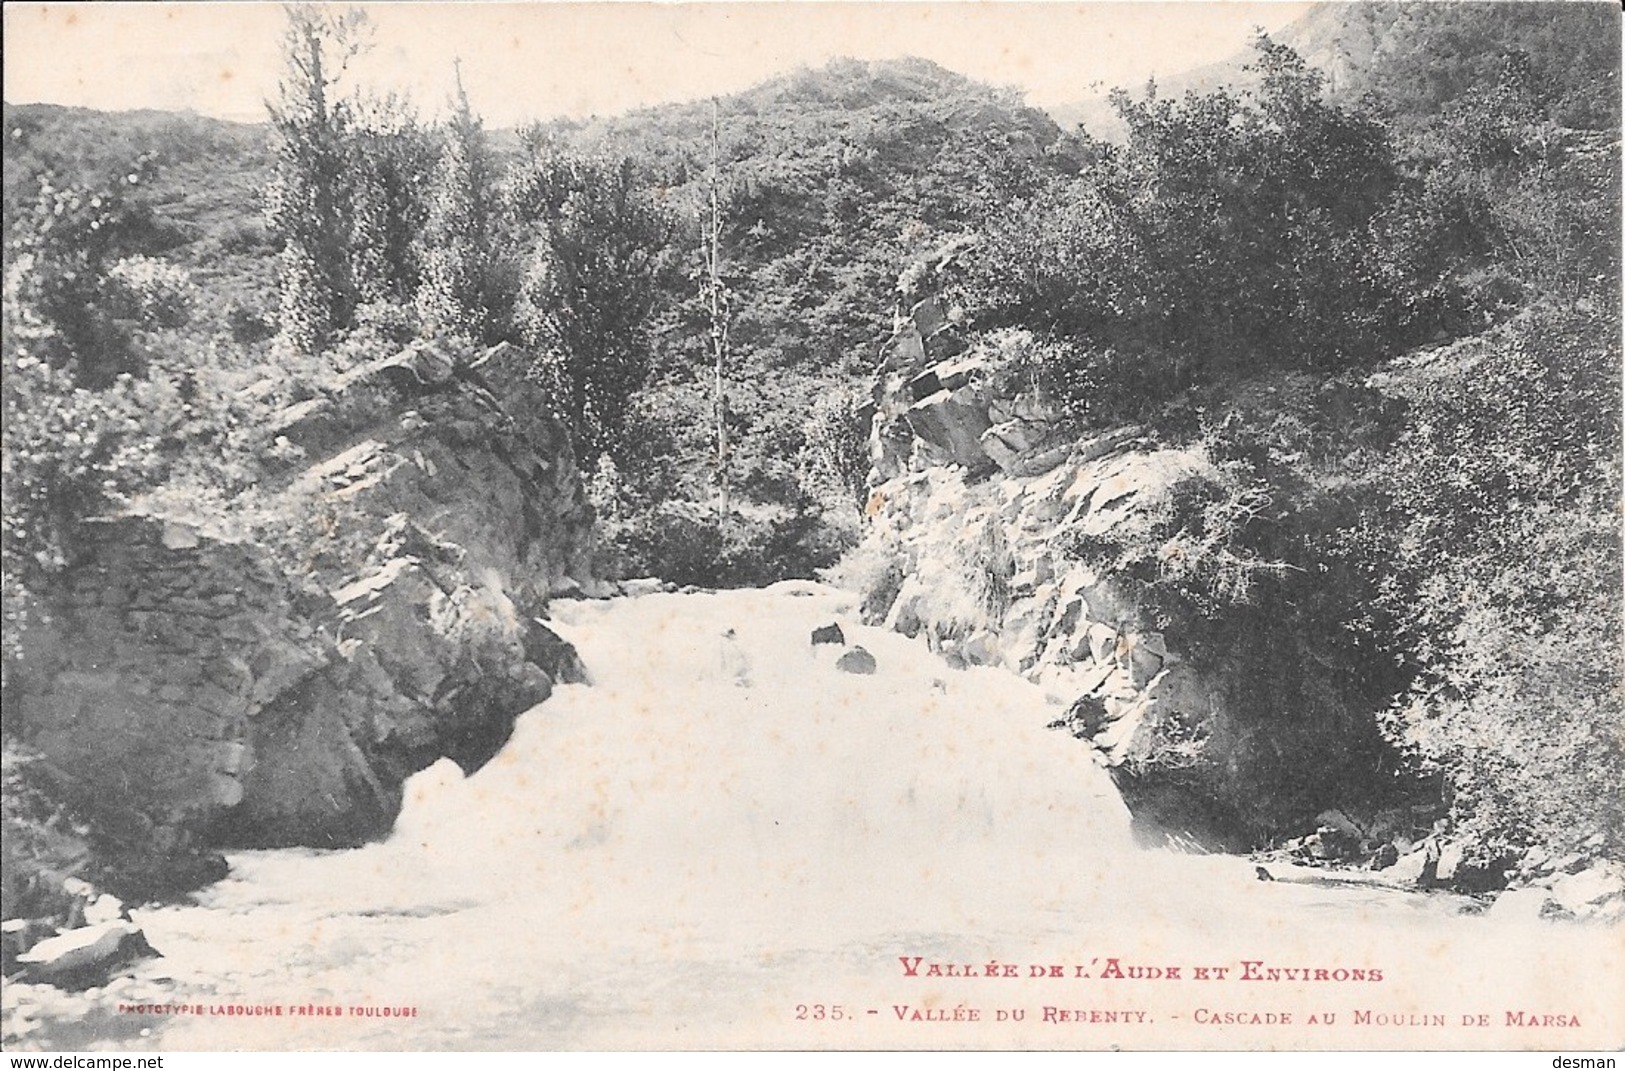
{"points": [[1504, 494]]}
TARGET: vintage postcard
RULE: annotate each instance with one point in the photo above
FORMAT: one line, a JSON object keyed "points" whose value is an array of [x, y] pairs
{"points": [[813, 526]]}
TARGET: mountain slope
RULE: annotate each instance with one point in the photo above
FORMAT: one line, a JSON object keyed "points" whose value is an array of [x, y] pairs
{"points": [[1415, 58], [831, 182]]}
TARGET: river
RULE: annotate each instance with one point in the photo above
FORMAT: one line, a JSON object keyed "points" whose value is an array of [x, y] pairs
{"points": [[727, 842]]}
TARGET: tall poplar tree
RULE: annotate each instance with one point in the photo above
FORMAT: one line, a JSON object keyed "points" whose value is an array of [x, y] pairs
{"points": [[452, 296], [309, 200]]}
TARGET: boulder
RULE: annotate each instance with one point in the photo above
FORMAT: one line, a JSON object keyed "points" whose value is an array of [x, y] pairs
{"points": [[86, 956], [17, 936], [1410, 868], [980, 648], [1341, 822], [856, 660], [830, 633], [924, 385], [1450, 856], [1576, 892], [952, 423], [553, 654]]}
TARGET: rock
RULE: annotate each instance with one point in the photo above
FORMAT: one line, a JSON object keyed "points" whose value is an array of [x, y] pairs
{"points": [[647, 585], [1003, 455], [1409, 868], [924, 385], [1341, 822], [553, 654], [1086, 716], [193, 690], [18, 936], [1579, 891], [1527, 905], [830, 633], [87, 956], [178, 536], [1449, 862], [1385, 857], [1140, 664], [1325, 843], [856, 660], [904, 613], [954, 424], [981, 648]]}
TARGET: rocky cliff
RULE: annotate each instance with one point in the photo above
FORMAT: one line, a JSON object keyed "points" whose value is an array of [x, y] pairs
{"points": [[985, 507], [202, 682]]}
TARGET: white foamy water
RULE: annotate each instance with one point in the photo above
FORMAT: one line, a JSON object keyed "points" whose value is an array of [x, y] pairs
{"points": [[722, 829]]}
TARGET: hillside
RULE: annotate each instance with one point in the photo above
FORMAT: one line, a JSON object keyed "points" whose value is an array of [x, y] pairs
{"points": [[1414, 58], [206, 186], [830, 181], [1293, 440]]}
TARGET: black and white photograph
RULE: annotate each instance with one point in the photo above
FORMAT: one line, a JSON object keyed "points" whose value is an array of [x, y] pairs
{"points": [[587, 527]]}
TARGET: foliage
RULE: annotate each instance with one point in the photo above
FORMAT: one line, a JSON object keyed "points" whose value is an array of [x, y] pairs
{"points": [[1504, 493], [69, 453], [876, 568], [151, 292], [309, 203], [82, 435], [392, 161], [1427, 57], [1367, 550], [690, 543], [1231, 235], [591, 290], [63, 262], [454, 242], [835, 459], [830, 180], [1525, 206]]}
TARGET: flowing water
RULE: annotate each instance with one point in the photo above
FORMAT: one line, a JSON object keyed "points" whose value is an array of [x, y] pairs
{"points": [[726, 842]]}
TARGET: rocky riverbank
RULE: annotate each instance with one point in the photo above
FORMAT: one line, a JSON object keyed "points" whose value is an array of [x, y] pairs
{"points": [[993, 529], [273, 676]]}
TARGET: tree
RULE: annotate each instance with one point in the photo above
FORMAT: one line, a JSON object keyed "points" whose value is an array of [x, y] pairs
{"points": [[310, 203], [591, 290], [836, 455], [1230, 235], [453, 247], [717, 297], [392, 160]]}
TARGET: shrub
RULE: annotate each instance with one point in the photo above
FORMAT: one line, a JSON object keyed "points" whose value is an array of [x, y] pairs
{"points": [[70, 453], [152, 292], [688, 543], [874, 570], [1503, 495], [835, 457]]}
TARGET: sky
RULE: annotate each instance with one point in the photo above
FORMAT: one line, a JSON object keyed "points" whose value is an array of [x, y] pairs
{"points": [[524, 61]]}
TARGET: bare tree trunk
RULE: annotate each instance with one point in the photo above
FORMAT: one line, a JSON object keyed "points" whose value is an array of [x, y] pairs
{"points": [[719, 332]]}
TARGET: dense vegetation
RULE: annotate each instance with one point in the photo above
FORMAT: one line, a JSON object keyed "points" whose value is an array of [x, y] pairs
{"points": [[1393, 324], [828, 183], [1388, 309]]}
